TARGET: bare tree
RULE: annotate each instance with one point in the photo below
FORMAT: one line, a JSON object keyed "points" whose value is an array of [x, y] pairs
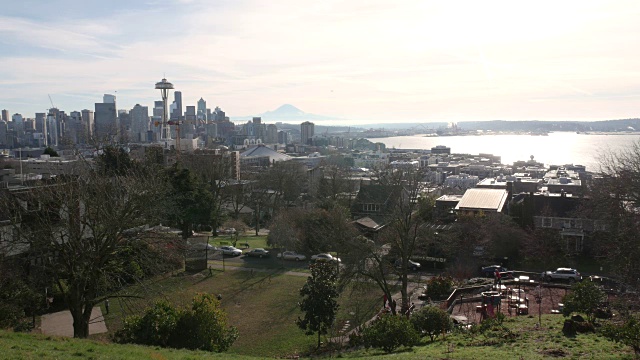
{"points": [[85, 232], [615, 209], [404, 230]]}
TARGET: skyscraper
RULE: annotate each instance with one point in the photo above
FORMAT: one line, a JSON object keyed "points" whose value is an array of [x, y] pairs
{"points": [[306, 132], [88, 123], [188, 126], [109, 99], [106, 121], [139, 122], [5, 115], [4, 129], [202, 109], [176, 114]]}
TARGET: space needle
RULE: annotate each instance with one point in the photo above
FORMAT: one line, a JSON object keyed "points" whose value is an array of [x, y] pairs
{"points": [[164, 87]]}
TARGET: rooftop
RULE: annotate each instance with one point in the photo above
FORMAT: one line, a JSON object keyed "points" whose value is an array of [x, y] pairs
{"points": [[483, 199]]}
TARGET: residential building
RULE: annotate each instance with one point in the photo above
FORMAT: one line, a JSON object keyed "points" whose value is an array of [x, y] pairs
{"points": [[283, 137], [483, 200], [272, 134], [306, 133]]}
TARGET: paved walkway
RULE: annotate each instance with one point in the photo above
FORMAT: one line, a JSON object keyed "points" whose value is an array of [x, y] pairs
{"points": [[61, 323]]}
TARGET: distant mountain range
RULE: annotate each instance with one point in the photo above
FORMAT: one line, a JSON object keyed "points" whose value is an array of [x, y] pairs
{"points": [[286, 113]]}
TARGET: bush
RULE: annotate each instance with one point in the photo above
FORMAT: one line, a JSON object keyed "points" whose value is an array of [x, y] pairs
{"points": [[585, 297], [431, 321], [155, 327], [390, 332], [203, 327], [439, 287], [628, 332]]}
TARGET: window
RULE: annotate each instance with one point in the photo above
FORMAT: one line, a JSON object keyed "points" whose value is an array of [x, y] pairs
{"points": [[371, 207], [547, 222]]}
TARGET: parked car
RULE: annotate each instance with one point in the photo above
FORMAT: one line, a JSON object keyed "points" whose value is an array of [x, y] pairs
{"points": [[258, 252], [291, 255], [567, 274], [230, 250], [325, 258], [201, 247], [490, 272], [411, 265]]}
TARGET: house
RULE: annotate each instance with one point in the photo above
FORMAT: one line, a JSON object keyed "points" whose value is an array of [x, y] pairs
{"points": [[561, 212], [377, 201]]}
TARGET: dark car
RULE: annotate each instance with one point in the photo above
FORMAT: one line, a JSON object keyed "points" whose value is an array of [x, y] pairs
{"points": [[490, 271], [257, 252]]}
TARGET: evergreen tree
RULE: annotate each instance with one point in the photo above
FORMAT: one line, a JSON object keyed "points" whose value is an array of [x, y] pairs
{"points": [[319, 301]]}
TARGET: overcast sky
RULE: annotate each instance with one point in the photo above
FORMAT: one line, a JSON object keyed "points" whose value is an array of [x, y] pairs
{"points": [[372, 60]]}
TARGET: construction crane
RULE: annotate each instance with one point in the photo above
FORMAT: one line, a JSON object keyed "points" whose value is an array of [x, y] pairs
{"points": [[51, 101]]}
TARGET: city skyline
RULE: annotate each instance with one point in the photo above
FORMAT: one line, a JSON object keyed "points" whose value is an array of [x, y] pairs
{"points": [[406, 61]]}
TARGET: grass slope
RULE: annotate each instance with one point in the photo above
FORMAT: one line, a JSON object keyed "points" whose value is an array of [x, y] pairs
{"points": [[546, 342], [33, 346]]}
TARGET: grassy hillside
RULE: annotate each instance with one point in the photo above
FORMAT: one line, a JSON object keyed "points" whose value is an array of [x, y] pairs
{"points": [[528, 342], [33, 346]]}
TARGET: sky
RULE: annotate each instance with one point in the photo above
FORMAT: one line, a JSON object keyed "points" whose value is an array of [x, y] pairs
{"points": [[391, 61]]}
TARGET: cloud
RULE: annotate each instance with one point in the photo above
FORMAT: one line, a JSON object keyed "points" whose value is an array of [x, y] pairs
{"points": [[372, 60]]}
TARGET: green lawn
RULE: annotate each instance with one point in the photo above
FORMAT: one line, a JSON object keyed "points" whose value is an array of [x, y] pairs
{"points": [[263, 306], [34, 346]]}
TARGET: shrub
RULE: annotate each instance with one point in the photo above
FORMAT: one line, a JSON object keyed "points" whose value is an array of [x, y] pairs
{"points": [[202, 327], [439, 287], [585, 297], [431, 321], [628, 333], [390, 332], [155, 327]]}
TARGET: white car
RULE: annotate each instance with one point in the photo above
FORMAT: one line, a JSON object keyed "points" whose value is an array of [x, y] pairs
{"points": [[201, 247], [230, 250], [325, 258], [291, 255]]}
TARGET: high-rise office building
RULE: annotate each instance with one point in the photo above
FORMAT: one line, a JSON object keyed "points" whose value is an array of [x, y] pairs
{"points": [[18, 123], [5, 115], [75, 128], [88, 123], [202, 110], [41, 128], [139, 123], [176, 113], [4, 130], [306, 132], [109, 99], [106, 121], [156, 119], [187, 129]]}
